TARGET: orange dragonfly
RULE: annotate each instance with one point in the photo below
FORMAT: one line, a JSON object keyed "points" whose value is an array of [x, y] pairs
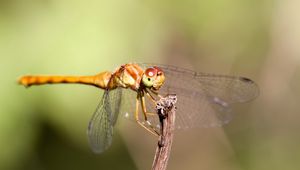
{"points": [[204, 100]]}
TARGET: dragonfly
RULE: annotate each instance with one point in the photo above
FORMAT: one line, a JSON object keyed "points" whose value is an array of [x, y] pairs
{"points": [[132, 90]]}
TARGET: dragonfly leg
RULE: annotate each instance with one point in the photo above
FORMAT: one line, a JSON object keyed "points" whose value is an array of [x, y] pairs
{"points": [[150, 97], [147, 113], [138, 120], [156, 93], [153, 101]]}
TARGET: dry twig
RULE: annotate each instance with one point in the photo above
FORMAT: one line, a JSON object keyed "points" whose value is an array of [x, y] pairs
{"points": [[166, 110]]}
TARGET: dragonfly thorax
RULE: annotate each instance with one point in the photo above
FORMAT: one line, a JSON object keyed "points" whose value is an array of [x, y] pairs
{"points": [[127, 76]]}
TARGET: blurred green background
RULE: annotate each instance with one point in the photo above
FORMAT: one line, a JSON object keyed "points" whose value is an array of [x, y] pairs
{"points": [[45, 127]]}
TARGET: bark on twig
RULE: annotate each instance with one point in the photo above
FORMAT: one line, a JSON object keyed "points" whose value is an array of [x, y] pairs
{"points": [[166, 110]]}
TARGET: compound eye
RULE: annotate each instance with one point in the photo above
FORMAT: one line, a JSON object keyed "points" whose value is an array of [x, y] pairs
{"points": [[159, 71], [151, 72]]}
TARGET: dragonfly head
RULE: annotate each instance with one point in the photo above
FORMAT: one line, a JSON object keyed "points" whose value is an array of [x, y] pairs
{"points": [[153, 77]]}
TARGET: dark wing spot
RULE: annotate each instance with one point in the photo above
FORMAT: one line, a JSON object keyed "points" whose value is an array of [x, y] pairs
{"points": [[244, 79]]}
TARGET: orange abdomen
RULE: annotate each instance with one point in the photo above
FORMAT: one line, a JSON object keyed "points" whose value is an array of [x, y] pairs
{"points": [[100, 80]]}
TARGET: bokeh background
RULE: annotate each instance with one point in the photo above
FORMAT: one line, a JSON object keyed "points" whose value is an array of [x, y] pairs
{"points": [[45, 127]]}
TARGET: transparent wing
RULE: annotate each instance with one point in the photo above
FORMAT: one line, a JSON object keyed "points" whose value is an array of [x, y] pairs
{"points": [[205, 100], [100, 129], [115, 99]]}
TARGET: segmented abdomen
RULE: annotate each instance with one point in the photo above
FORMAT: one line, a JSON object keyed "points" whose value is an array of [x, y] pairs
{"points": [[100, 80]]}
